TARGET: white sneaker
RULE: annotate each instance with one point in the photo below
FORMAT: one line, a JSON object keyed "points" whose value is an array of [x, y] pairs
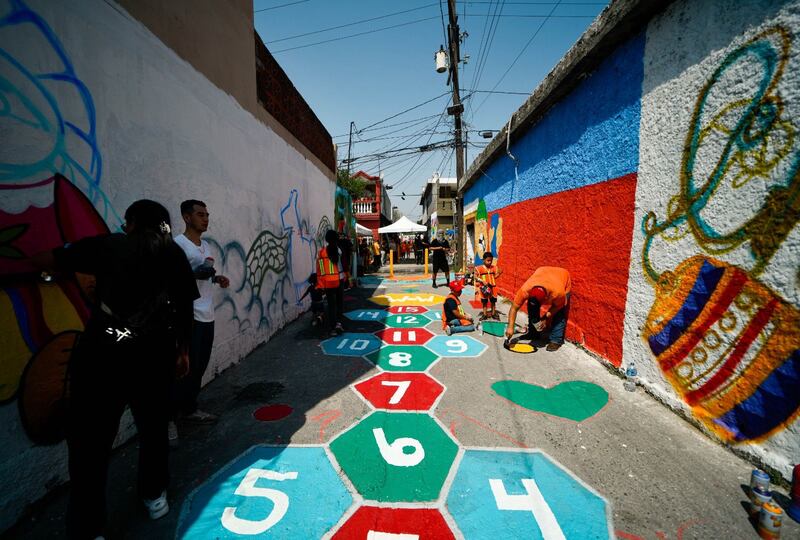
{"points": [[172, 434], [157, 508], [448, 330]]}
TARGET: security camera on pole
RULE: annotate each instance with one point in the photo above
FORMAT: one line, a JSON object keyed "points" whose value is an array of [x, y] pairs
{"points": [[453, 40]]}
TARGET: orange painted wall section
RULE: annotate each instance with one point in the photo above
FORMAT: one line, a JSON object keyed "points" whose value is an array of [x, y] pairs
{"points": [[577, 230]]}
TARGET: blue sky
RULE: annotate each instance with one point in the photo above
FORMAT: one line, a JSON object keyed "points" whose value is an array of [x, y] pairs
{"points": [[382, 71]]}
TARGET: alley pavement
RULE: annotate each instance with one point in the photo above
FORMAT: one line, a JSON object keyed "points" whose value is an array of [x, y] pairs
{"points": [[367, 433]]}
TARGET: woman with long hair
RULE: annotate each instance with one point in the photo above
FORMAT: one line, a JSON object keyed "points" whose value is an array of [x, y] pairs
{"points": [[330, 278], [134, 344]]}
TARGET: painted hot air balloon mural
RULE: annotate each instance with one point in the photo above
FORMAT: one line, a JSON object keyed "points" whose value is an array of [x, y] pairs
{"points": [[728, 343]]}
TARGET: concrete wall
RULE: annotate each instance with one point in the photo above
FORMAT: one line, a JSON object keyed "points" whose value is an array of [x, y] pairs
{"points": [[98, 112], [667, 182]]}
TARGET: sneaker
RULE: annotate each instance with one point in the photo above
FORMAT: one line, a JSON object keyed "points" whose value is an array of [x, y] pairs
{"points": [[496, 316], [433, 285], [552, 347], [483, 317], [172, 433], [200, 417], [339, 329], [157, 508], [448, 330]]}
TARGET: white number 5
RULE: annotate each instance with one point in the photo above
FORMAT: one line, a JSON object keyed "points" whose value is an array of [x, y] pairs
{"points": [[247, 488]]}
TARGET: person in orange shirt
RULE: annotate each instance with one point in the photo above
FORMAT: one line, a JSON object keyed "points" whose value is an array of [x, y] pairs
{"points": [[485, 281], [547, 294]]}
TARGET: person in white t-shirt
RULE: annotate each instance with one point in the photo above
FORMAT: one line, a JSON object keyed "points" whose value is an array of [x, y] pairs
{"points": [[195, 216]]}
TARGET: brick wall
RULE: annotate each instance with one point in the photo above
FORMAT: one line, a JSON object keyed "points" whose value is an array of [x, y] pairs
{"points": [[280, 98]]}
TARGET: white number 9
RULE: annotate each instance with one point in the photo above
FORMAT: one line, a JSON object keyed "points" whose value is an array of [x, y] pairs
{"points": [[456, 346]]}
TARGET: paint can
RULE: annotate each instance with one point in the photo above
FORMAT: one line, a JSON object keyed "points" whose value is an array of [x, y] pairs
{"points": [[758, 497], [759, 479], [770, 521]]}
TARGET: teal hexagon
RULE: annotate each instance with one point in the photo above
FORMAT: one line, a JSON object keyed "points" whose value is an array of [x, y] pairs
{"points": [[396, 457], [434, 315], [403, 358], [351, 344], [524, 494], [406, 320], [456, 346], [368, 315]]}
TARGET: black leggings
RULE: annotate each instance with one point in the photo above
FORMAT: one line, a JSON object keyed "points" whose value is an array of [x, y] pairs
{"points": [[335, 299], [105, 376]]}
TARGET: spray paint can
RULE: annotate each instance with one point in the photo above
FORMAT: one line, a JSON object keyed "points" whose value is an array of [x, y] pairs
{"points": [[770, 521], [759, 479], [758, 497], [794, 506]]}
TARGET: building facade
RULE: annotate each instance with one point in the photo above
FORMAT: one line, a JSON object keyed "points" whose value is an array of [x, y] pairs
{"points": [[658, 162], [143, 99], [438, 205], [374, 209]]}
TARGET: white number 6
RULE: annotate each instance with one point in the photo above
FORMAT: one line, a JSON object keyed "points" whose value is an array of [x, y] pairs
{"points": [[393, 453], [247, 488]]}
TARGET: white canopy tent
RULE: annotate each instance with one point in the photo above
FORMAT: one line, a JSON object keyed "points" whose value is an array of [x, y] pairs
{"points": [[363, 231], [403, 225]]}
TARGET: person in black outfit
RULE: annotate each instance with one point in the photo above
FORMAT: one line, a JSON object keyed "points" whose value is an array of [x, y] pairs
{"points": [[317, 300], [418, 249], [135, 342], [440, 247]]}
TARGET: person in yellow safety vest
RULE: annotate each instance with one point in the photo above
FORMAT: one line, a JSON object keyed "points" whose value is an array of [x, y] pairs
{"points": [[454, 320], [376, 252], [547, 293], [331, 279], [485, 281]]}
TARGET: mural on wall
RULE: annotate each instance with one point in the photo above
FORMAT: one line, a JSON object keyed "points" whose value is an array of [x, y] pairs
{"points": [[728, 343], [50, 175], [488, 233], [50, 194]]}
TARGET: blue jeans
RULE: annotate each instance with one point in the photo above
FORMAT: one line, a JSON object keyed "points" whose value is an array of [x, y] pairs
{"points": [[456, 327], [558, 327]]}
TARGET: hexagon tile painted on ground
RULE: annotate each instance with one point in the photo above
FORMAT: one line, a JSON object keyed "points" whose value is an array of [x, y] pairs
{"points": [[396, 457], [373, 523], [404, 336], [407, 310], [403, 358], [510, 494], [401, 391], [406, 320], [267, 490], [456, 346], [376, 315], [351, 344]]}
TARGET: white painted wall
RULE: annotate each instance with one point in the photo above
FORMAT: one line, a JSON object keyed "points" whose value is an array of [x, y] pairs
{"points": [[166, 133], [685, 46]]}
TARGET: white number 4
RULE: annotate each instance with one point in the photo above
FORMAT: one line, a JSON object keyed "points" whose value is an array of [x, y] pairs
{"points": [[402, 386], [247, 488]]}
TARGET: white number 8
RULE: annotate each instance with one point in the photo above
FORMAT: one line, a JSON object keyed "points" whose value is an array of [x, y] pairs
{"points": [[400, 359]]}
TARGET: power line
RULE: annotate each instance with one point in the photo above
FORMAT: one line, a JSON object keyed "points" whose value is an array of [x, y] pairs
{"points": [[389, 125], [498, 92], [355, 35], [349, 24], [405, 111], [536, 33], [280, 6], [444, 30]]}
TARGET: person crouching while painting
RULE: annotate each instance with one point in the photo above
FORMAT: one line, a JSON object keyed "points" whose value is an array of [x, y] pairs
{"points": [[547, 294], [135, 342], [454, 320]]}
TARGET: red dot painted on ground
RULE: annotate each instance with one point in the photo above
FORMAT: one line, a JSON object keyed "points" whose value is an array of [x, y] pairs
{"points": [[271, 413]]}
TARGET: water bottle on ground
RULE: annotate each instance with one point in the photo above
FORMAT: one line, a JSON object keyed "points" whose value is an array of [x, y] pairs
{"points": [[630, 378]]}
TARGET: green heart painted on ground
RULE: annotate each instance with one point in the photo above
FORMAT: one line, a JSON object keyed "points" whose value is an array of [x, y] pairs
{"points": [[576, 400]]}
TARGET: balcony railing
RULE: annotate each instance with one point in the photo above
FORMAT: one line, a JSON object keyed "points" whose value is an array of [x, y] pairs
{"points": [[365, 206]]}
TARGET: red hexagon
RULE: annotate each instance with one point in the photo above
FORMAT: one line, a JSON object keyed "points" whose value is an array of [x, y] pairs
{"points": [[393, 522], [404, 336], [407, 309], [401, 391]]}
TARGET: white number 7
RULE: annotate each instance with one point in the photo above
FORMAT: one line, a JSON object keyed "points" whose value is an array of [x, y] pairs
{"points": [[247, 488], [402, 386]]}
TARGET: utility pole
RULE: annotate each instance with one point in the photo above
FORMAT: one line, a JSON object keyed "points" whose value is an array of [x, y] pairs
{"points": [[349, 147], [454, 39]]}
